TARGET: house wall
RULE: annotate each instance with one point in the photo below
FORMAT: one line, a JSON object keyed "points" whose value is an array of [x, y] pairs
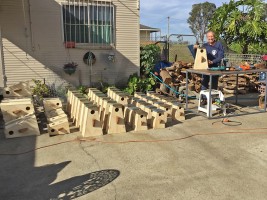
{"points": [[144, 36], [33, 44], [148, 37], [2, 83]]}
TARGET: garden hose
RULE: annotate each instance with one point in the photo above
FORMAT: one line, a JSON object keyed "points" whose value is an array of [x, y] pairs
{"points": [[178, 93]]}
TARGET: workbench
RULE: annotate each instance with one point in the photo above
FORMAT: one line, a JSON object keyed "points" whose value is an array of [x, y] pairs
{"points": [[211, 73]]}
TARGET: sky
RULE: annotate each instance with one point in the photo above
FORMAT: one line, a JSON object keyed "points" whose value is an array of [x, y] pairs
{"points": [[154, 13]]}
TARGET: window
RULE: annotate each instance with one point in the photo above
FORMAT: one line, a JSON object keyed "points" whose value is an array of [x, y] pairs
{"points": [[91, 22]]}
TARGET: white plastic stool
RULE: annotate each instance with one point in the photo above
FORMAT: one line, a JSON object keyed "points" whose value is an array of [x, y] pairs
{"points": [[204, 94]]}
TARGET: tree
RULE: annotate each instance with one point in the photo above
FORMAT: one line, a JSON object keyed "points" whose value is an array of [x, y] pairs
{"points": [[199, 18], [242, 22], [265, 13], [149, 55]]}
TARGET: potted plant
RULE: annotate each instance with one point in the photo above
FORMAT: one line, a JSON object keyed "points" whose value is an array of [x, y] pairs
{"points": [[70, 68], [40, 91]]}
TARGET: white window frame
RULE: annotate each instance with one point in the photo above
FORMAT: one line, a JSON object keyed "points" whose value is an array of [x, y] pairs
{"points": [[88, 4]]}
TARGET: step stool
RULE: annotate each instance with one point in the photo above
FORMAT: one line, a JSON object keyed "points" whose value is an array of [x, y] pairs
{"points": [[204, 94]]}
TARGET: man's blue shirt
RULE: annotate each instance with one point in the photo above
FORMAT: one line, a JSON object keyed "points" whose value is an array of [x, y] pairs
{"points": [[215, 53]]}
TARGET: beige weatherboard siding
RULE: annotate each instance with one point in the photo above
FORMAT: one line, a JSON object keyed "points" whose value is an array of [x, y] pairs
{"points": [[33, 44], [2, 82]]}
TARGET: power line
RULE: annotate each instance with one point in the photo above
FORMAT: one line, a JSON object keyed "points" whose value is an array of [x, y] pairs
{"points": [[178, 19]]}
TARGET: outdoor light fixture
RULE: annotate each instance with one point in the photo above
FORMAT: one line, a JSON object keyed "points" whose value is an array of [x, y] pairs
{"points": [[111, 57]]}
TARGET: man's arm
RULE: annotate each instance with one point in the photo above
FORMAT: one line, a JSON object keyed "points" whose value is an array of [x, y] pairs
{"points": [[220, 54]]}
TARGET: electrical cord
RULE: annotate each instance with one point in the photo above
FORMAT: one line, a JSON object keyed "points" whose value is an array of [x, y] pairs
{"points": [[227, 122], [78, 139], [32, 150]]}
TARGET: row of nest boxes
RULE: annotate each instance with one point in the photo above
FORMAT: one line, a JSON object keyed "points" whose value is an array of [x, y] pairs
{"points": [[98, 111], [157, 110], [146, 102], [119, 100], [93, 119], [57, 120], [19, 118], [156, 106]]}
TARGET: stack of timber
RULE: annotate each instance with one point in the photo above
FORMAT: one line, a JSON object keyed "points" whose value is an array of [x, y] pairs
{"points": [[243, 84], [195, 83], [174, 78]]}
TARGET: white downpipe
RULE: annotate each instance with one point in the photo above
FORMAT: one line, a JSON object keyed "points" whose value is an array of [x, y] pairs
{"points": [[30, 24], [2, 63]]}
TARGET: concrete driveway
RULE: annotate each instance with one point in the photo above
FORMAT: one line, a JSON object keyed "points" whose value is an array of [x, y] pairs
{"points": [[198, 159]]}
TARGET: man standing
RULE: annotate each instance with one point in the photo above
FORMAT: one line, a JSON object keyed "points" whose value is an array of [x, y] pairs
{"points": [[215, 54]]}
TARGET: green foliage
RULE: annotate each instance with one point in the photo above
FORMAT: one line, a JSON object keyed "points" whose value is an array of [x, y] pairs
{"points": [[258, 49], [58, 90], [104, 87], [237, 48], [133, 84], [253, 48], [138, 84], [41, 90], [149, 55], [199, 17], [82, 89], [241, 22], [147, 84]]}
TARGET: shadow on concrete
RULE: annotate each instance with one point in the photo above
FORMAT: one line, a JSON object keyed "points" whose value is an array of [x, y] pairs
{"points": [[190, 114], [20, 181], [249, 99], [82, 185]]}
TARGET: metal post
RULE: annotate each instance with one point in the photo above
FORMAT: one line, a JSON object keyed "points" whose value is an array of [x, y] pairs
{"points": [[168, 27], [265, 98], [186, 91], [210, 106], [90, 58], [168, 47]]}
